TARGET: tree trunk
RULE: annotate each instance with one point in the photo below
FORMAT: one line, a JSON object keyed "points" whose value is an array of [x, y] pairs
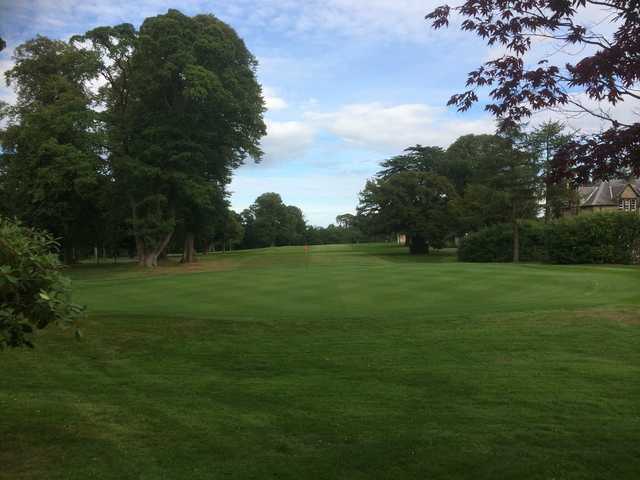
{"points": [[68, 252], [418, 245], [547, 201], [148, 257], [516, 241], [140, 249], [189, 253]]}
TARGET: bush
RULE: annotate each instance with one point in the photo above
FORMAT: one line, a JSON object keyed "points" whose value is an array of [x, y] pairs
{"points": [[33, 292], [612, 237], [495, 243]]}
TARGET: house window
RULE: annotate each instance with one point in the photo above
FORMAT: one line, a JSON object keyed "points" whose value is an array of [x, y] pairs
{"points": [[628, 204]]}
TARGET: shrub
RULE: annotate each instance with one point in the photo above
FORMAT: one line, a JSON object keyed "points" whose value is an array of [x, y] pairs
{"points": [[495, 243], [33, 292], [612, 237]]}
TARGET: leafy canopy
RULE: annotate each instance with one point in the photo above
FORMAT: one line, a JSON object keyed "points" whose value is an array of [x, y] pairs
{"points": [[420, 204], [50, 160]]}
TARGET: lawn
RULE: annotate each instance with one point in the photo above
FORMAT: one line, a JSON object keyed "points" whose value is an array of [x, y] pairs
{"points": [[350, 362]]}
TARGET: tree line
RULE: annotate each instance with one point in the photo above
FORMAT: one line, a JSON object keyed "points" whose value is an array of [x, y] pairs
{"points": [[125, 138]]}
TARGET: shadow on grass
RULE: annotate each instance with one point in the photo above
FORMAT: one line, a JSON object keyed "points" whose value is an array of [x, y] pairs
{"points": [[402, 255]]}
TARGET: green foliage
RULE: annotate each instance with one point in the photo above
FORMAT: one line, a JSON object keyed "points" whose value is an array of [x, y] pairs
{"points": [[269, 222], [612, 237], [414, 159], [503, 185], [422, 205], [183, 108], [231, 231], [605, 237], [33, 292], [50, 163], [495, 243], [544, 142]]}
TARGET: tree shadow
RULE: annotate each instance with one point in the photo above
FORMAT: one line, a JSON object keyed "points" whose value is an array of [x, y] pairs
{"points": [[402, 255]]}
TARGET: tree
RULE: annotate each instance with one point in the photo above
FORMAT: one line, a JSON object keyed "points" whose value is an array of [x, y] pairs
{"points": [[415, 159], [295, 226], [346, 220], [266, 221], [422, 205], [464, 158], [184, 109], [544, 142], [231, 232], [33, 293], [50, 164], [607, 71], [505, 187]]}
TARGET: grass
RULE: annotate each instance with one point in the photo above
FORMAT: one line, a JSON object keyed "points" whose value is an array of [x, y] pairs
{"points": [[351, 362]]}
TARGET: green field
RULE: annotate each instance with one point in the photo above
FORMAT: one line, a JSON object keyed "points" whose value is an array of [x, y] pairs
{"points": [[350, 362]]}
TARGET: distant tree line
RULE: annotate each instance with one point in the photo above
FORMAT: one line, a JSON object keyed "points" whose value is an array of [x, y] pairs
{"points": [[268, 222], [142, 160]]}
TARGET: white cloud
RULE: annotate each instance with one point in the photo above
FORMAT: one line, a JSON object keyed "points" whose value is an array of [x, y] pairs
{"points": [[286, 140], [272, 100], [394, 127], [574, 118], [399, 19], [371, 126]]}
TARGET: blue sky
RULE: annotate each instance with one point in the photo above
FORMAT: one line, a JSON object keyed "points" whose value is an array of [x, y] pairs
{"points": [[347, 83]]}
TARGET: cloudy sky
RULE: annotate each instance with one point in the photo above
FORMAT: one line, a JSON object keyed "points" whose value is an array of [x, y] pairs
{"points": [[347, 83]]}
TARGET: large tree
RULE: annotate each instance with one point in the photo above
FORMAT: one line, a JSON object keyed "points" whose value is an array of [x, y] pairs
{"points": [[51, 169], [505, 187], [184, 109], [607, 70], [421, 205]]}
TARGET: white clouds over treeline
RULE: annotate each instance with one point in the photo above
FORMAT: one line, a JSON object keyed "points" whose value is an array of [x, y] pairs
{"points": [[375, 126]]}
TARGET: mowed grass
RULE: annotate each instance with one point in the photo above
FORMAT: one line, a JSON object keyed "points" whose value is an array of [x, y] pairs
{"points": [[349, 362]]}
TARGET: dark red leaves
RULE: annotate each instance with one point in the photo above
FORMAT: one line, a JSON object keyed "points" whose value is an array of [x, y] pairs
{"points": [[611, 71]]}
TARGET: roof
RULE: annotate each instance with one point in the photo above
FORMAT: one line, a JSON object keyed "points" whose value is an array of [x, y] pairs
{"points": [[606, 192]]}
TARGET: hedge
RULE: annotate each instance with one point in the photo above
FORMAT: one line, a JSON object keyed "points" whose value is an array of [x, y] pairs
{"points": [[612, 237], [495, 243], [606, 237]]}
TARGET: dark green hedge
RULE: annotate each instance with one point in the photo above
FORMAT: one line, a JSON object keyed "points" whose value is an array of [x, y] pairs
{"points": [[495, 244], [595, 238], [607, 237]]}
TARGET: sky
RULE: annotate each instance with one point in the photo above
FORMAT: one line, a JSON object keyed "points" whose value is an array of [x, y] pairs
{"points": [[347, 83]]}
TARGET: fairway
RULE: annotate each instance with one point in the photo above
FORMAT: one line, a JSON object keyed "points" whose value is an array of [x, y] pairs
{"points": [[346, 362]]}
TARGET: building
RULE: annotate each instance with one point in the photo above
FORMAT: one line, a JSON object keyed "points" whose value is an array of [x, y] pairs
{"points": [[610, 195]]}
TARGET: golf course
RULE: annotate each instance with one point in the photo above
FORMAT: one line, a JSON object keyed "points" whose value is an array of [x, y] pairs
{"points": [[336, 362]]}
